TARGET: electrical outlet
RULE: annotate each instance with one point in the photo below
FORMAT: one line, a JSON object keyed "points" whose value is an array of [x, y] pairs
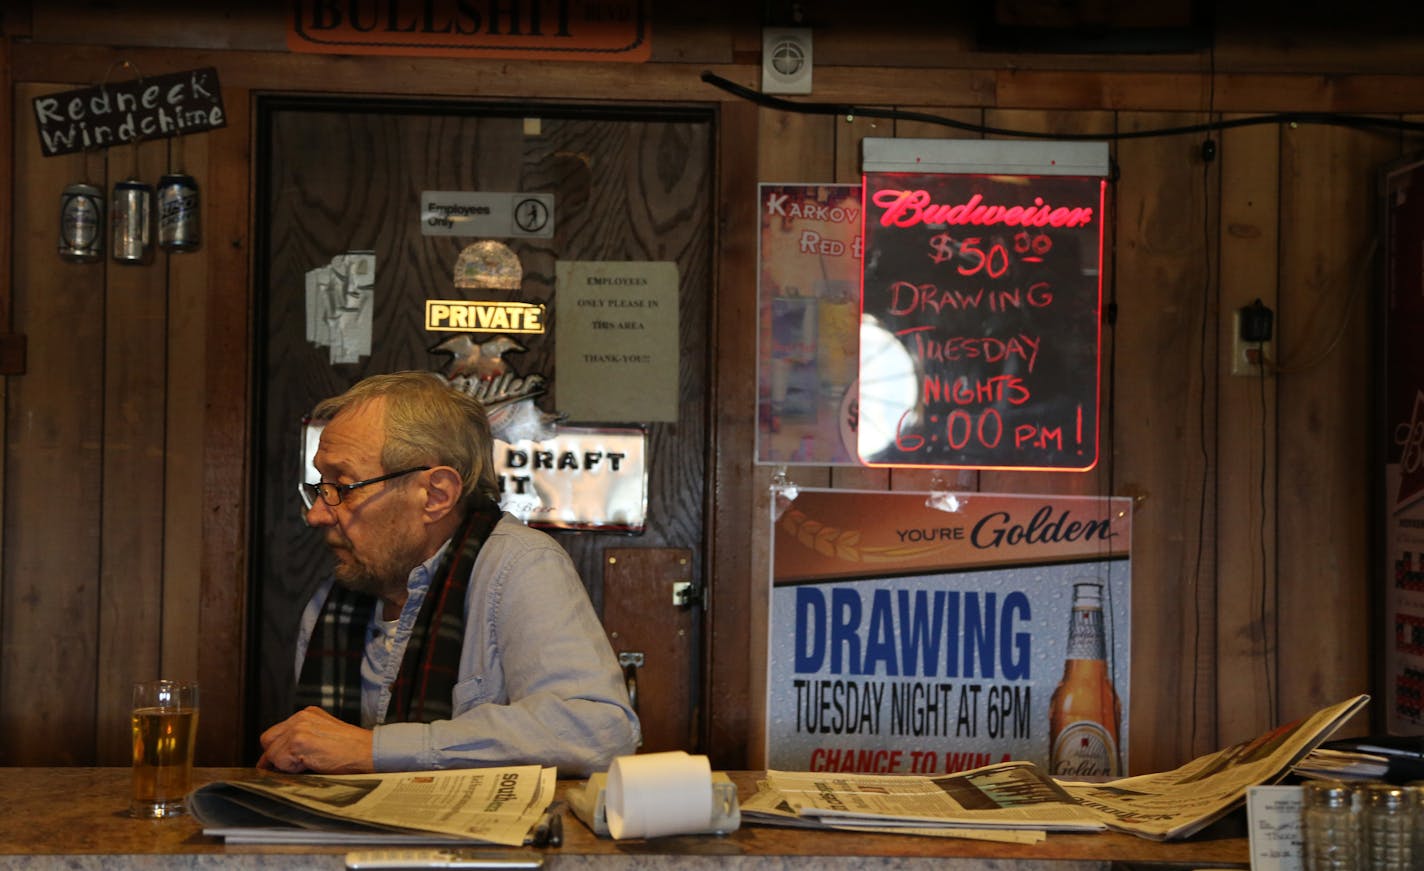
{"points": [[1248, 358]]}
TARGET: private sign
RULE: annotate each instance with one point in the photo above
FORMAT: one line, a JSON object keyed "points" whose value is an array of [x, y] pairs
{"points": [[458, 315]]}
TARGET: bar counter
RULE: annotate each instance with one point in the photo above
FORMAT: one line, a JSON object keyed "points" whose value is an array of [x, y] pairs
{"points": [[77, 818]]}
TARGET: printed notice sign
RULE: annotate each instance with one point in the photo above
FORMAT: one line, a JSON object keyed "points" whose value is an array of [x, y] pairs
{"points": [[905, 639], [481, 213], [616, 352], [1273, 815]]}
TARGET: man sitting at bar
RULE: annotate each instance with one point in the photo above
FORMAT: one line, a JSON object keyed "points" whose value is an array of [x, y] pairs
{"points": [[451, 634]]}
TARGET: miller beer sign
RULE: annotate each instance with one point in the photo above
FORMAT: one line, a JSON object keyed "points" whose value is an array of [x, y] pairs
{"points": [[606, 30]]}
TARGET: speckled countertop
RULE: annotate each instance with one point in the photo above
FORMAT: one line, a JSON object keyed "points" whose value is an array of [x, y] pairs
{"points": [[76, 818]]}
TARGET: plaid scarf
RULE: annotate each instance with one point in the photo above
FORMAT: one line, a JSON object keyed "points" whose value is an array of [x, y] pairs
{"points": [[424, 686]]}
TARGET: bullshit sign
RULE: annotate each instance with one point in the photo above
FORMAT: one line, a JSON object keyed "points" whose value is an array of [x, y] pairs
{"points": [[117, 113]]}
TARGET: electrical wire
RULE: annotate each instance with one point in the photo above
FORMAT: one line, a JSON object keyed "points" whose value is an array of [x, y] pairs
{"points": [[1271, 703], [1202, 435], [1110, 415], [1361, 122]]}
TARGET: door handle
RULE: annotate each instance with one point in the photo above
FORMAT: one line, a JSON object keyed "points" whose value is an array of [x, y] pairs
{"points": [[631, 662]]}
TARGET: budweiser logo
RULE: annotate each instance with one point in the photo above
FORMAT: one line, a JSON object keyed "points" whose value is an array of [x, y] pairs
{"points": [[908, 208]]}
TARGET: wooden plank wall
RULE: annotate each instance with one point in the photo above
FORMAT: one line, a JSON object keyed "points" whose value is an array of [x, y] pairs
{"points": [[125, 477]]}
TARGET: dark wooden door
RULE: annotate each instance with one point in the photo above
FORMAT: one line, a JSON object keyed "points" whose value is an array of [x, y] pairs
{"points": [[338, 177]]}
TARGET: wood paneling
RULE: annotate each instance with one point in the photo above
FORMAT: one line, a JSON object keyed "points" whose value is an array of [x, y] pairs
{"points": [[1247, 634], [1162, 413], [225, 411], [734, 652], [54, 471], [1328, 210], [185, 339], [1246, 610], [130, 494]]}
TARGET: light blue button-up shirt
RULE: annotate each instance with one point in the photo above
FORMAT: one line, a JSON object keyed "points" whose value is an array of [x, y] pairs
{"points": [[537, 683]]}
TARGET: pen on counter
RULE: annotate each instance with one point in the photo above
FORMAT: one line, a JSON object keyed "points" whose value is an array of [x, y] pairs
{"points": [[539, 835], [556, 831], [548, 831]]}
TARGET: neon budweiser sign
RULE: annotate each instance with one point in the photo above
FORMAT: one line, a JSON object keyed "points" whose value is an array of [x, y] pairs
{"points": [[908, 208]]}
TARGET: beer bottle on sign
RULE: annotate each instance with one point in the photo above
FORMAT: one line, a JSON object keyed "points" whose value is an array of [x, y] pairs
{"points": [[1085, 711]]}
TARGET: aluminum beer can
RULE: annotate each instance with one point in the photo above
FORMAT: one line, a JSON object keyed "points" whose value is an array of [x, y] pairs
{"points": [[81, 223], [178, 223], [131, 219]]}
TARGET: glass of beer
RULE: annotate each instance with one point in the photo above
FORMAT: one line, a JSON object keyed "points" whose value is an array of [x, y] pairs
{"points": [[165, 727]]}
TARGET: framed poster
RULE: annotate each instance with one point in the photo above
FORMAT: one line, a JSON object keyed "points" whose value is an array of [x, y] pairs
{"points": [[907, 639], [1401, 480], [980, 302], [808, 292]]}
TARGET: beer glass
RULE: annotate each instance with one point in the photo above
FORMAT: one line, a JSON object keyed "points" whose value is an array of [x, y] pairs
{"points": [[165, 727]]}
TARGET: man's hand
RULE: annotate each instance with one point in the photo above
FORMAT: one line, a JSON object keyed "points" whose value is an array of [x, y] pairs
{"points": [[313, 740]]}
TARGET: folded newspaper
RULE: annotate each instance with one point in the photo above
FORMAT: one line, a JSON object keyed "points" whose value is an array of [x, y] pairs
{"points": [[1020, 796], [1181, 802], [1007, 796], [477, 805]]}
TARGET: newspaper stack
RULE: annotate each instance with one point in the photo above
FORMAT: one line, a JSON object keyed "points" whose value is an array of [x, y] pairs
{"points": [[1011, 801], [1326, 764], [482, 805], [1008, 800], [1181, 802]]}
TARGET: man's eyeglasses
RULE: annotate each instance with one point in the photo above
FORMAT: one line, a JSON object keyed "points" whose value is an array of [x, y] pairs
{"points": [[332, 494]]}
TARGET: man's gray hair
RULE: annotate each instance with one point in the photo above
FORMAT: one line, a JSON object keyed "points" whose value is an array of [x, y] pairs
{"points": [[428, 423]]}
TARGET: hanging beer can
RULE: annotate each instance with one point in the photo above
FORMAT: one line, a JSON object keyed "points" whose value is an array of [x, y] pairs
{"points": [[179, 228], [131, 218], [81, 223]]}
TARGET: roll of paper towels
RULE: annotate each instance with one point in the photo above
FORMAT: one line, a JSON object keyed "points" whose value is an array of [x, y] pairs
{"points": [[659, 794]]}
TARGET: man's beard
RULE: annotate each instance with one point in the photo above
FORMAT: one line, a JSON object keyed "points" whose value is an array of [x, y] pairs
{"points": [[385, 578]]}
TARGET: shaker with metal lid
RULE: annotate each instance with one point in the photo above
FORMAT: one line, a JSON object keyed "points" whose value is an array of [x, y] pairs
{"points": [[1330, 821], [1388, 828]]}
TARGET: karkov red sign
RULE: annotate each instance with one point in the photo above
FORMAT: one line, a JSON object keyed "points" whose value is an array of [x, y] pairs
{"points": [[607, 30]]}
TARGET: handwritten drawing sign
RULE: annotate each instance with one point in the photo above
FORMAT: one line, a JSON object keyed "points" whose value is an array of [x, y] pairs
{"points": [[117, 113], [980, 303]]}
